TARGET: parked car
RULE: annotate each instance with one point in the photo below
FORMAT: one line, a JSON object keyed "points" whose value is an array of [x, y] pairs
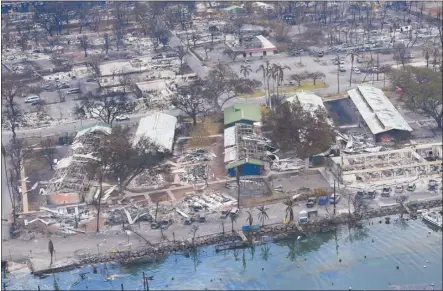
{"points": [[73, 91], [247, 61], [372, 194], [432, 185], [320, 54], [356, 70], [188, 221], [386, 192], [155, 225], [342, 68], [360, 194], [32, 98], [37, 102], [334, 201], [121, 118], [399, 189], [311, 202], [91, 80], [411, 187], [202, 218], [63, 86], [165, 224]]}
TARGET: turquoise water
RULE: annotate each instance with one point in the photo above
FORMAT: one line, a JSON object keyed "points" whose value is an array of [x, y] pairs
{"points": [[310, 263]]}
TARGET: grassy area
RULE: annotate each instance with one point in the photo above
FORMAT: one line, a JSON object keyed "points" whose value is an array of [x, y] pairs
{"points": [[304, 85], [200, 133], [256, 94]]}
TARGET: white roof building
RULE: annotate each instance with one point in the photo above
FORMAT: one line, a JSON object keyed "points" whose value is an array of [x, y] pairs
{"points": [[377, 111], [159, 127], [309, 101]]}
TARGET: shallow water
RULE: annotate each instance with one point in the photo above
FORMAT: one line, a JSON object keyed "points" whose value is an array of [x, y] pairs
{"points": [[309, 263]]}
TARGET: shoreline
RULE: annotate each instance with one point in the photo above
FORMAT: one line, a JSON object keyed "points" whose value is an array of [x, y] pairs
{"points": [[276, 232]]}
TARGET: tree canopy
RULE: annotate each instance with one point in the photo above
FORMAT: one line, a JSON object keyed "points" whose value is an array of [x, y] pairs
{"points": [[292, 128], [421, 90]]}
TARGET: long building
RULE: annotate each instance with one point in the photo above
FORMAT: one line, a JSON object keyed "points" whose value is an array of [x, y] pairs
{"points": [[379, 114]]}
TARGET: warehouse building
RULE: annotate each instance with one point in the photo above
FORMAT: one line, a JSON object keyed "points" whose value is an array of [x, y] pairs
{"points": [[379, 114]]}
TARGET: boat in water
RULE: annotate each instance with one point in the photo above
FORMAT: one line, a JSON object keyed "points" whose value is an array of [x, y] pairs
{"points": [[434, 218]]}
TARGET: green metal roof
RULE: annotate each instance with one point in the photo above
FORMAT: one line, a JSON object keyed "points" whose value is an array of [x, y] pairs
{"points": [[244, 161], [238, 112]]}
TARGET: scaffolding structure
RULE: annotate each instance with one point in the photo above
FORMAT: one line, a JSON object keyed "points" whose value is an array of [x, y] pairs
{"points": [[71, 176], [410, 161], [249, 144]]}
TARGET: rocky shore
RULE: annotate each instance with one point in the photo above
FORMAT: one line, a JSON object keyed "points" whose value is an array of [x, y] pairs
{"points": [[275, 232]]}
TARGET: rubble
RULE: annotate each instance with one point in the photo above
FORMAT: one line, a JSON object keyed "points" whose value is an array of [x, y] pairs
{"points": [[358, 143], [193, 174], [195, 156], [149, 178], [287, 165], [192, 166]]}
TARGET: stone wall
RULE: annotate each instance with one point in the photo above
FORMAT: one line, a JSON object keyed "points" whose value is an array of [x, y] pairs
{"points": [[275, 231]]}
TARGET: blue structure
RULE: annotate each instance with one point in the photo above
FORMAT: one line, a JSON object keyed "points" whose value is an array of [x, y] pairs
{"points": [[246, 167]]}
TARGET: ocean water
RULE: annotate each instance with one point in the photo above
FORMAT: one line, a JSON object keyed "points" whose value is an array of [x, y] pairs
{"points": [[311, 263]]}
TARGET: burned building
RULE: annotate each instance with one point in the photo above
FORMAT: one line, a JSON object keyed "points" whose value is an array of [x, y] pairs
{"points": [[70, 183], [379, 114], [245, 150]]}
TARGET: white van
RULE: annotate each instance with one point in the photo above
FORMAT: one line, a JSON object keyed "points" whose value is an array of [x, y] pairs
{"points": [[234, 211], [32, 98]]}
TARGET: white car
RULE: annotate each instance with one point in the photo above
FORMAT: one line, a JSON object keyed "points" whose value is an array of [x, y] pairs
{"points": [[121, 118], [356, 70], [342, 68], [247, 61]]}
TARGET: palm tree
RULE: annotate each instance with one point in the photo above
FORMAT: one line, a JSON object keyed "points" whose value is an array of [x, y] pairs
{"points": [[264, 68], [262, 214], [233, 219], [281, 75], [245, 70], [250, 219], [353, 55], [289, 208]]}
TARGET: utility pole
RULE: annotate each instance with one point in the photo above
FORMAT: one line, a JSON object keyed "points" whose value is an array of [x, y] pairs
{"points": [[378, 65], [338, 74], [335, 201]]}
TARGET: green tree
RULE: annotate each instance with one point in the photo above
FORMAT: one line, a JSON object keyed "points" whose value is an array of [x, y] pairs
{"points": [[422, 91], [291, 127]]}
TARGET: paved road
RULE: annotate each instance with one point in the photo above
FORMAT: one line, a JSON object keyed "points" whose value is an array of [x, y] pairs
{"points": [[75, 126]]}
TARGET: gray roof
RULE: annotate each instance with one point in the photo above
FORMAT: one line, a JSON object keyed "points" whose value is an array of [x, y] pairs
{"points": [[378, 112]]}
